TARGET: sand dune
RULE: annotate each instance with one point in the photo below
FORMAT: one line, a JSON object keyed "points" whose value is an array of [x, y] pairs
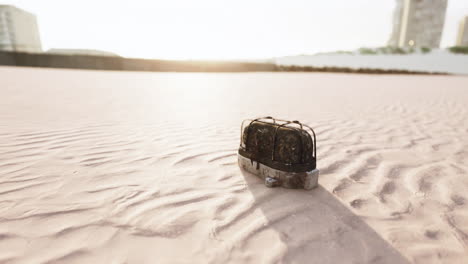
{"points": [[118, 167]]}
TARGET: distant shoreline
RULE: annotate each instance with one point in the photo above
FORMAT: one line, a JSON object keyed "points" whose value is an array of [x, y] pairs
{"points": [[86, 62]]}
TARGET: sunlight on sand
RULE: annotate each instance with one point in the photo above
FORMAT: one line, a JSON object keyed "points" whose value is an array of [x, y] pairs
{"points": [[122, 167]]}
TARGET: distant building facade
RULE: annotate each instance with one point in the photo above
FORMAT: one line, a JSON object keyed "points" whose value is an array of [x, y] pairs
{"points": [[462, 39], [18, 30], [418, 23], [395, 37], [88, 52]]}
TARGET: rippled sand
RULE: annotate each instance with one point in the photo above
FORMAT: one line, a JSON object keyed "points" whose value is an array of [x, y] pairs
{"points": [[120, 167]]}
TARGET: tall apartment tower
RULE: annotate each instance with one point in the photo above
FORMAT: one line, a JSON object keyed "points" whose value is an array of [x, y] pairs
{"points": [[418, 23], [397, 14], [18, 30], [462, 39]]}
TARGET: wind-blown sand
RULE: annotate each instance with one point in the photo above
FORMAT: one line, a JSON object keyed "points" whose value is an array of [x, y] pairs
{"points": [[119, 167]]}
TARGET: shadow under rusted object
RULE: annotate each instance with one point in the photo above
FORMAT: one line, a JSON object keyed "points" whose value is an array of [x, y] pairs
{"points": [[283, 153]]}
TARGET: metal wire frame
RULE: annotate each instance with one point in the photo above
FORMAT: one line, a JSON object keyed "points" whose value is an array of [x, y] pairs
{"points": [[285, 123]]}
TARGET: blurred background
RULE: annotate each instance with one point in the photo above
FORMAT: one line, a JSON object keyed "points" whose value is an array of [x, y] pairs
{"points": [[295, 32]]}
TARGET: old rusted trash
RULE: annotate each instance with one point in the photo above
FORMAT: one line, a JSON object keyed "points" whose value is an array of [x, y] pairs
{"points": [[283, 153]]}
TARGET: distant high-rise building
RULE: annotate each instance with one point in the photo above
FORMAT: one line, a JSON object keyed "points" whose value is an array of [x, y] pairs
{"points": [[395, 37], [18, 30], [418, 23], [462, 39]]}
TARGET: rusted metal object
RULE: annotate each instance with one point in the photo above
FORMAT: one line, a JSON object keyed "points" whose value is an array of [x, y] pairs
{"points": [[283, 153]]}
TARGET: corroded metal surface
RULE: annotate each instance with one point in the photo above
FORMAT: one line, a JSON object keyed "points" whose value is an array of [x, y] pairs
{"points": [[282, 152], [273, 178]]}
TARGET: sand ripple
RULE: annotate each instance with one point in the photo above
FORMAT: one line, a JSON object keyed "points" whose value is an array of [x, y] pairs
{"points": [[103, 167]]}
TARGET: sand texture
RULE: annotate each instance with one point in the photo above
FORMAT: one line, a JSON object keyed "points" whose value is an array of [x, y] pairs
{"points": [[119, 167]]}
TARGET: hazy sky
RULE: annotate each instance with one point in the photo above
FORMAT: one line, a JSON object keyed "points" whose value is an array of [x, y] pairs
{"points": [[184, 29]]}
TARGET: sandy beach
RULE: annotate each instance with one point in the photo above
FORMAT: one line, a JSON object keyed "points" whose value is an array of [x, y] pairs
{"points": [[130, 167]]}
